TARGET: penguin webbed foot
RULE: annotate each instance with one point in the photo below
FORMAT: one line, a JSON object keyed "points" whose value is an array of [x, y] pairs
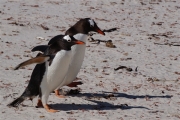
{"points": [[58, 95], [74, 84], [39, 104], [49, 109]]}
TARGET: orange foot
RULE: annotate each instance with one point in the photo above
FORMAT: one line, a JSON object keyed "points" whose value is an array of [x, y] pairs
{"points": [[39, 104], [74, 84], [58, 95], [49, 109]]}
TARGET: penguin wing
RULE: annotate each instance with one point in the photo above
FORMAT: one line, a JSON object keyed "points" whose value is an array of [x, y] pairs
{"points": [[58, 37], [38, 59], [41, 48], [49, 53]]}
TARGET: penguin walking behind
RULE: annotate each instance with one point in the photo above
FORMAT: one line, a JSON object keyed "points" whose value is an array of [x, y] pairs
{"points": [[50, 72], [79, 31]]}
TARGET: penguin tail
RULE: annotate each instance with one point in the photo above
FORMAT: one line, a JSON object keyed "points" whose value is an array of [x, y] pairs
{"points": [[16, 102]]}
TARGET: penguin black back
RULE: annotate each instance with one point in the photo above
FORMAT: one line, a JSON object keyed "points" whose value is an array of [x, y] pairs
{"points": [[55, 38], [32, 89]]}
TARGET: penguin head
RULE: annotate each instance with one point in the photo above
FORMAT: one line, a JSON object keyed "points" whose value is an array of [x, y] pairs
{"points": [[84, 26], [68, 41]]}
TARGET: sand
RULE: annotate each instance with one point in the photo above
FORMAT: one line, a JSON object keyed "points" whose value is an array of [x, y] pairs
{"points": [[147, 42]]}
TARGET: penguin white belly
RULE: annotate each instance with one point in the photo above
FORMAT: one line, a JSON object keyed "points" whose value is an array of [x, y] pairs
{"points": [[78, 52], [56, 72]]}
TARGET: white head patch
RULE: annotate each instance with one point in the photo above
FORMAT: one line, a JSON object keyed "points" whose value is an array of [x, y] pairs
{"points": [[67, 38], [91, 22]]}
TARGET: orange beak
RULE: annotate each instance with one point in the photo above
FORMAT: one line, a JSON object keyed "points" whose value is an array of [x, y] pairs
{"points": [[79, 42], [97, 29]]}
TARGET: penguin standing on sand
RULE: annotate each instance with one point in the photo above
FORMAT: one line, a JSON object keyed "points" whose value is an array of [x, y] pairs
{"points": [[79, 31], [50, 73]]}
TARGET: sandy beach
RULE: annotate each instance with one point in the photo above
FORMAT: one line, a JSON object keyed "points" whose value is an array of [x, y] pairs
{"points": [[137, 80]]}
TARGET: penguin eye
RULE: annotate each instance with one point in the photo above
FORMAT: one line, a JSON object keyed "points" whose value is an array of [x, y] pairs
{"points": [[69, 40]]}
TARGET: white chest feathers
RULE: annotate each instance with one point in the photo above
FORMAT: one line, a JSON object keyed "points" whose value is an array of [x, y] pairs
{"points": [[56, 72], [78, 52]]}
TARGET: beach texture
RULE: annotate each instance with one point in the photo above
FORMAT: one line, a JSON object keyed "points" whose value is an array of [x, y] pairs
{"points": [[137, 80]]}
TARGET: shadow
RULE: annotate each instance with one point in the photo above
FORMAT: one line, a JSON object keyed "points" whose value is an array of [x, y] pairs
{"points": [[137, 96], [114, 94], [98, 106]]}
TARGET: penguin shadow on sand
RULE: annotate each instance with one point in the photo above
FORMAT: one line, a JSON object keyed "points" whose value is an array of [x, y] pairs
{"points": [[98, 104]]}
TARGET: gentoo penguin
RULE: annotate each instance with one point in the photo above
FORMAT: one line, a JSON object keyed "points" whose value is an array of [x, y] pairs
{"points": [[50, 73], [79, 31]]}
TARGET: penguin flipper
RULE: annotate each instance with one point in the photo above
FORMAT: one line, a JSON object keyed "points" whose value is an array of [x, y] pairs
{"points": [[41, 48], [38, 59]]}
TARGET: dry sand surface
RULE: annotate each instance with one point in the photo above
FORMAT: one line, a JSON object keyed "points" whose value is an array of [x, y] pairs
{"points": [[147, 41]]}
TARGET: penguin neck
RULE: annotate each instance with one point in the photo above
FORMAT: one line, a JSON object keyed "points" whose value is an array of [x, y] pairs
{"points": [[81, 37], [66, 48], [62, 45]]}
